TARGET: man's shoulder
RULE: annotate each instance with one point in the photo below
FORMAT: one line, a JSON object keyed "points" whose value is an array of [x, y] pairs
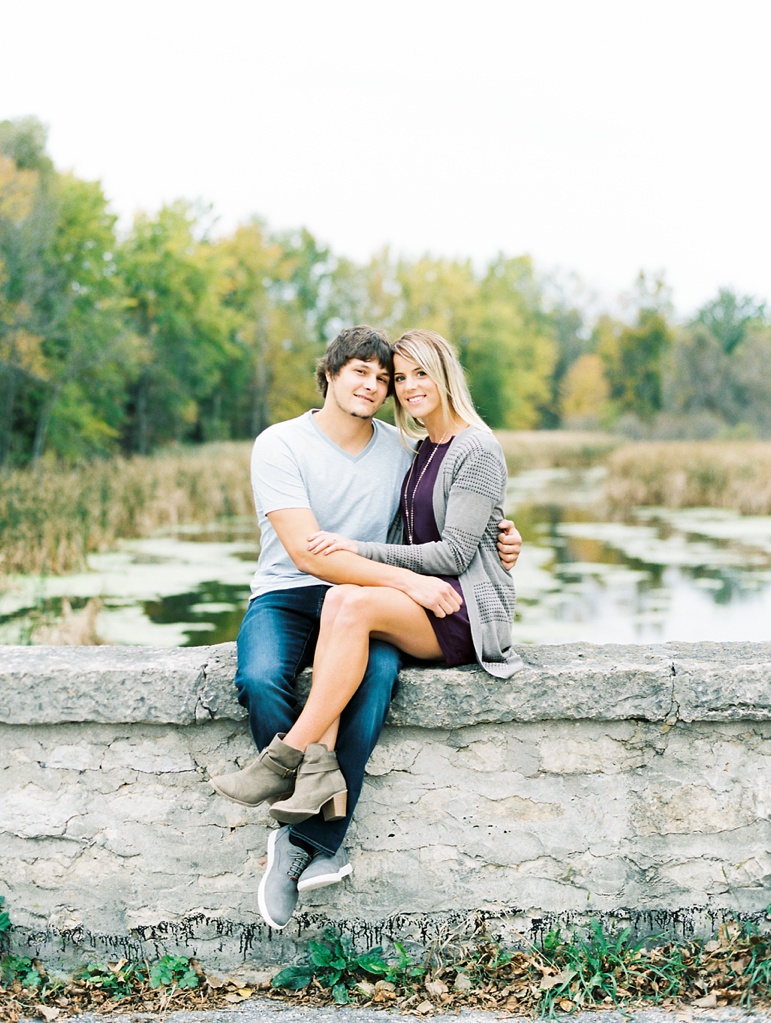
{"points": [[385, 430], [286, 430]]}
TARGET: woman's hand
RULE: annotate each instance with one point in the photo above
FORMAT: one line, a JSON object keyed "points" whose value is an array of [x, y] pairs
{"points": [[324, 543], [509, 543]]}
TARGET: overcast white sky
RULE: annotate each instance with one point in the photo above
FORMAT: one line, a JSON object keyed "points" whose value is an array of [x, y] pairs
{"points": [[599, 136]]}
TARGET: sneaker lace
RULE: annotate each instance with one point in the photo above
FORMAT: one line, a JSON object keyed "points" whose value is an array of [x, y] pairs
{"points": [[300, 860]]}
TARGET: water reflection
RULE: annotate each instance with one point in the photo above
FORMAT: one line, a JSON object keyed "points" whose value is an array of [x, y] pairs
{"points": [[210, 614], [666, 575], [690, 575]]}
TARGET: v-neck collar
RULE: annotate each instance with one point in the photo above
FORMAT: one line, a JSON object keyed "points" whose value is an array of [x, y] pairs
{"points": [[336, 447]]}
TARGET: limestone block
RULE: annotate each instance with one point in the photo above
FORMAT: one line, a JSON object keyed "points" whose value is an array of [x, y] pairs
{"points": [[490, 750], [722, 681], [600, 875], [565, 682], [119, 684], [590, 751], [391, 756], [34, 813]]}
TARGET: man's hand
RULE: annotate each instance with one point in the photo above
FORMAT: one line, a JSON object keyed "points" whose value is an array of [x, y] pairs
{"points": [[509, 544], [433, 594]]}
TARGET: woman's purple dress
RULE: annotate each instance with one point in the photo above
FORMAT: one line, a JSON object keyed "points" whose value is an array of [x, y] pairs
{"points": [[453, 633]]}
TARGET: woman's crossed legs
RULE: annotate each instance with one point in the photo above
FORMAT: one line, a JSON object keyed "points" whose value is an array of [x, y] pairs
{"points": [[351, 616]]}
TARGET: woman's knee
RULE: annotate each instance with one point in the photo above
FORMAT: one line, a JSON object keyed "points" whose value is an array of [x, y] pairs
{"points": [[342, 603]]}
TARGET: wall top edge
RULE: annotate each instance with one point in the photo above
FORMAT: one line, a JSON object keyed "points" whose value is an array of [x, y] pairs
{"points": [[575, 681]]}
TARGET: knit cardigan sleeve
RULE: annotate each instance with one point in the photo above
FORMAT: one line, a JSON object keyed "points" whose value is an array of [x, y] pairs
{"points": [[476, 489]]}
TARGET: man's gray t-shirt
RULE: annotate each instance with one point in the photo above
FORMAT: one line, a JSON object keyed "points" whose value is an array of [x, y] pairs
{"points": [[295, 465]]}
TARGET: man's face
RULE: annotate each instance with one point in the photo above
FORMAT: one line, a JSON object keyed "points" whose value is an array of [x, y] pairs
{"points": [[359, 389]]}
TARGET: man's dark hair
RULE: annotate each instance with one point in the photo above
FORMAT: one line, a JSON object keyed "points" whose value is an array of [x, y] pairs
{"points": [[360, 342]]}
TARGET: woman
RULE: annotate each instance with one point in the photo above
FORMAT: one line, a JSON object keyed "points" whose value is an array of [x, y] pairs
{"points": [[450, 508]]}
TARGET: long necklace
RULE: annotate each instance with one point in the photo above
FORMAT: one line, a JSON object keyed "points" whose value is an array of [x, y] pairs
{"points": [[409, 517]]}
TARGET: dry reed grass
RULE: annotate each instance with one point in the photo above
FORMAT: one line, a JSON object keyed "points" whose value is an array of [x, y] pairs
{"points": [[541, 449], [735, 475], [52, 518]]}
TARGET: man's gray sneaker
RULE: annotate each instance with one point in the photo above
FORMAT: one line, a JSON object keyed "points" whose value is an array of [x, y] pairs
{"points": [[324, 870], [277, 895]]}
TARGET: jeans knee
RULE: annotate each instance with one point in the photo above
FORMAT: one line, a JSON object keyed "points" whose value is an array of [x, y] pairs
{"points": [[257, 681], [248, 684]]}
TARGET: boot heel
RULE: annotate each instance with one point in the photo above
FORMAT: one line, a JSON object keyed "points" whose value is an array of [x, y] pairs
{"points": [[334, 808]]}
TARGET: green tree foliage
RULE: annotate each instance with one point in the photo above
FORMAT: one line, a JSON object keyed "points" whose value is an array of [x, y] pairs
{"points": [[565, 298], [717, 380], [371, 293], [24, 143], [81, 324], [437, 294], [22, 237], [167, 335], [498, 324], [60, 317], [174, 288], [634, 355], [729, 318], [584, 394], [272, 294], [511, 352]]}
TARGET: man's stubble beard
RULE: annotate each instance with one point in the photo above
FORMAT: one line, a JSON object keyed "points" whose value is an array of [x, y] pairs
{"points": [[352, 414]]}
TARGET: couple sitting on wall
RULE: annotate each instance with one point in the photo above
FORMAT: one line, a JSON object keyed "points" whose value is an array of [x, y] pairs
{"points": [[415, 545]]}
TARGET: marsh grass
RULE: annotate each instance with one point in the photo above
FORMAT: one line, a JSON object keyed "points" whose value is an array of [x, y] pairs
{"points": [[543, 449], [52, 518], [734, 475]]}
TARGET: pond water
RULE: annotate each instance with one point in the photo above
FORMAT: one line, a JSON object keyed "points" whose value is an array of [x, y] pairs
{"points": [[695, 574]]}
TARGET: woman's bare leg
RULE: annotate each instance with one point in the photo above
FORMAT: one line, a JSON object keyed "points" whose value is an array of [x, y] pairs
{"points": [[350, 617]]}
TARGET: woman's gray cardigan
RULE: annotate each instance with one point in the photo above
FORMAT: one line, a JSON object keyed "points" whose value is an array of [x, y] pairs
{"points": [[468, 499]]}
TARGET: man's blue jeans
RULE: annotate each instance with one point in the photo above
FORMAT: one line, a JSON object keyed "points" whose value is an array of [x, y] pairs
{"points": [[276, 642]]}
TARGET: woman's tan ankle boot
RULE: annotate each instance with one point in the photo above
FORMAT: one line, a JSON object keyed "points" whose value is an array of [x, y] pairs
{"points": [[320, 786], [271, 776]]}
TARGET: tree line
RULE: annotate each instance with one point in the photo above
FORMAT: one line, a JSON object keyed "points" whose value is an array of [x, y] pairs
{"points": [[122, 342]]}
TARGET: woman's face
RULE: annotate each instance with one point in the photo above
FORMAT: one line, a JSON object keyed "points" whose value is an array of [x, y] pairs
{"points": [[414, 388]]}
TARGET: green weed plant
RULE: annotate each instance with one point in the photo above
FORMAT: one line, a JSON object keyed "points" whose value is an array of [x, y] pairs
{"points": [[590, 969], [117, 981], [173, 971], [334, 964]]}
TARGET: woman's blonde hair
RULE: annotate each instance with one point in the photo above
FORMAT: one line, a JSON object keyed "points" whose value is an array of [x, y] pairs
{"points": [[436, 357]]}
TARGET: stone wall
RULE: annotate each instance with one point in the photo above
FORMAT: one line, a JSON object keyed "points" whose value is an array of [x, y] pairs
{"points": [[625, 783]]}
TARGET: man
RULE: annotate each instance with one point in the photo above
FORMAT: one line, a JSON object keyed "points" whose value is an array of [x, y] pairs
{"points": [[340, 469]]}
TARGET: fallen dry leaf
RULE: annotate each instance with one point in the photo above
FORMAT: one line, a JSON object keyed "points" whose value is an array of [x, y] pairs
{"points": [[707, 1002], [436, 988]]}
